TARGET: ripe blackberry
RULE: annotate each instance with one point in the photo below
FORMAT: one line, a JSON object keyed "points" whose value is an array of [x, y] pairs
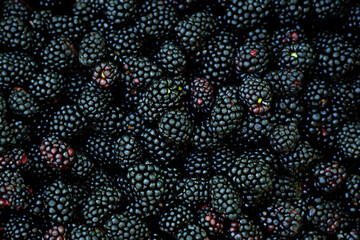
{"points": [[14, 194], [157, 18], [348, 139], [285, 82], [22, 103], [194, 29], [128, 151], [56, 232], [82, 166], [10, 8], [352, 186], [192, 191], [225, 197], [19, 226], [6, 136], [126, 41], [211, 221], [300, 158], [105, 74], [324, 10], [13, 159], [71, 26], [284, 138], [171, 58], [329, 176], [216, 59], [197, 163], [92, 49], [226, 113], [126, 226], [100, 147], [328, 216], [285, 188], [246, 14], [16, 68], [221, 158], [202, 95], [204, 138], [256, 94], [252, 57], [118, 11], [288, 109], [283, 218], [83, 232], [58, 54], [99, 204], [259, 34], [47, 85], [161, 95], [57, 153], [132, 123], [94, 101], [299, 56], [147, 181], [20, 131], [67, 122], [244, 228], [191, 232], [59, 202], [175, 126], [252, 174], [345, 97], [157, 148], [317, 93], [110, 121], [14, 33], [174, 218], [291, 12]]}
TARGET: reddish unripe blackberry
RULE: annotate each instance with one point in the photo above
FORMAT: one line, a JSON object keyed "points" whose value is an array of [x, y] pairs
{"points": [[105, 74], [211, 220], [12, 159], [57, 153], [56, 233], [329, 176], [202, 95]]}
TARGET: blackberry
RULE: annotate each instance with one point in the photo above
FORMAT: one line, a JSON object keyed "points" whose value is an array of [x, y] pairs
{"points": [[288, 109], [22, 103], [110, 121], [83, 232], [202, 95], [317, 93], [56, 232], [216, 59], [126, 41], [174, 218], [58, 54], [197, 163], [92, 49], [284, 138], [147, 181], [299, 56], [300, 159], [59, 202], [226, 113], [194, 29], [344, 97], [259, 34], [246, 14], [171, 58], [67, 122], [13, 159], [203, 137], [6, 136], [252, 57], [256, 94], [57, 153], [211, 221], [283, 218], [128, 151], [329, 176], [82, 166], [15, 33], [328, 216], [192, 191], [348, 140], [157, 18], [157, 148], [352, 186], [94, 101], [16, 68], [101, 149], [19, 9], [19, 226], [225, 197], [132, 123], [222, 158], [191, 232], [14, 194], [160, 96], [286, 82], [74, 85], [290, 12], [47, 85], [285, 188], [118, 11], [105, 74], [175, 126], [251, 174], [71, 26], [324, 10], [20, 132], [244, 228]]}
